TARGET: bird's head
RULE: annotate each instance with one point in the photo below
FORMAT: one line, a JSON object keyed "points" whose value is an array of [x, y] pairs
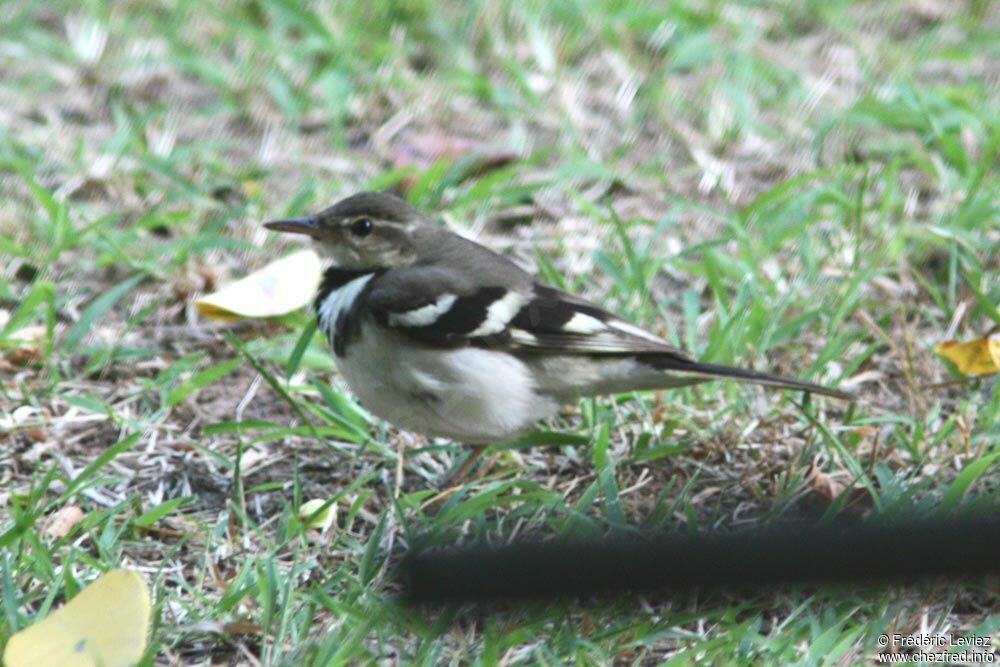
{"points": [[364, 231]]}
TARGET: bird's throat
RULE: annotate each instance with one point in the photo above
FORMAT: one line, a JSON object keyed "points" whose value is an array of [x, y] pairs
{"points": [[336, 302]]}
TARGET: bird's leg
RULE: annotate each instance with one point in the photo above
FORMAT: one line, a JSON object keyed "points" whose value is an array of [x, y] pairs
{"points": [[400, 462], [462, 470], [449, 484]]}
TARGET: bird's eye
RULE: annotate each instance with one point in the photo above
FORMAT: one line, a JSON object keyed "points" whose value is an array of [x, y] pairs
{"points": [[362, 227]]}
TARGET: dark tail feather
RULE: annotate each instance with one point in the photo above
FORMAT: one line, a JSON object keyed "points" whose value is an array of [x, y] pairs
{"points": [[717, 371]]}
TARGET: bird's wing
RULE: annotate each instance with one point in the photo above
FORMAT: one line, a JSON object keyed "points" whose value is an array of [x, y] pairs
{"points": [[440, 309], [437, 308], [553, 320]]}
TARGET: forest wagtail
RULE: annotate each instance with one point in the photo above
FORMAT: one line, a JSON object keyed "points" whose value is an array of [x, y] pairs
{"points": [[441, 336]]}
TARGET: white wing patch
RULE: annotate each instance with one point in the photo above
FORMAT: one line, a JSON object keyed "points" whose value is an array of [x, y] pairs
{"points": [[633, 330], [584, 324], [499, 314], [339, 302], [425, 315], [522, 337]]}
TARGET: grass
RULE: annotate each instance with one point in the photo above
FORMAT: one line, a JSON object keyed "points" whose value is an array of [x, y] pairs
{"points": [[810, 188]]}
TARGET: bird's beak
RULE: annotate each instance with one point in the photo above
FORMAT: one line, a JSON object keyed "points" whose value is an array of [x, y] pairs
{"points": [[307, 225]]}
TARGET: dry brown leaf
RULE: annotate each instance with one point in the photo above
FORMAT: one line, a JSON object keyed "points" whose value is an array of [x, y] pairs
{"points": [[23, 356], [60, 523], [421, 149], [823, 485], [824, 489], [26, 346]]}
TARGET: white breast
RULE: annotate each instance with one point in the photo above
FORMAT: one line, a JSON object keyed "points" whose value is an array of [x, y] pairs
{"points": [[470, 395], [337, 303]]}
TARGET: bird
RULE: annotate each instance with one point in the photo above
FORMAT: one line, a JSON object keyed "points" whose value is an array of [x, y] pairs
{"points": [[441, 336]]}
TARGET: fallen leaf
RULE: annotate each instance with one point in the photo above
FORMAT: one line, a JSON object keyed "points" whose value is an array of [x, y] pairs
{"points": [[105, 624], [60, 523], [24, 346], [825, 490], [279, 288], [19, 357], [822, 485], [980, 356], [35, 434], [316, 516], [422, 149]]}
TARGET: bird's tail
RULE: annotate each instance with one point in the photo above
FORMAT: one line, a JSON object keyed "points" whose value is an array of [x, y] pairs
{"points": [[697, 369]]}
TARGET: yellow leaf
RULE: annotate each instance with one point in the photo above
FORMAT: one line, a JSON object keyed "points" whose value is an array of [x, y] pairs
{"points": [[279, 288], [980, 356], [105, 624], [316, 516]]}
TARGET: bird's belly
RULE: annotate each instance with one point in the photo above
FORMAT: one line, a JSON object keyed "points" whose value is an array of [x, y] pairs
{"points": [[470, 395]]}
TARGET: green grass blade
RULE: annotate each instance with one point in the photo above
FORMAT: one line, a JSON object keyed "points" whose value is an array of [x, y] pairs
{"points": [[95, 309]]}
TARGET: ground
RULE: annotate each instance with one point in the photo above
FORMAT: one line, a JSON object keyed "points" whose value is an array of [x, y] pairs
{"points": [[809, 188]]}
